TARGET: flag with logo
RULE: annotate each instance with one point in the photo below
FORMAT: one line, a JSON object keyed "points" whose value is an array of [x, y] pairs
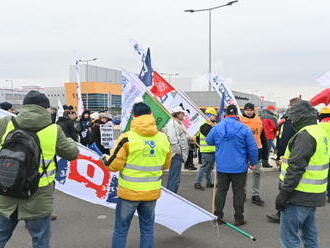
{"points": [[80, 108], [160, 86], [146, 71]]}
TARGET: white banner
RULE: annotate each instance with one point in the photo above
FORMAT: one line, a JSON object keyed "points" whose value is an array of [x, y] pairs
{"points": [[220, 86], [87, 179], [107, 138], [193, 119], [131, 89]]}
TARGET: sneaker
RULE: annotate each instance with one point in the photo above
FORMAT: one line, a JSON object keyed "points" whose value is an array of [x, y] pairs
{"points": [[240, 222], [198, 186], [275, 218], [257, 200], [267, 166], [210, 185], [53, 217], [192, 167]]}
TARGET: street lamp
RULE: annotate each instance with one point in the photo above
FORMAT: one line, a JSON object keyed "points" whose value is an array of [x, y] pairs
{"points": [[86, 75], [210, 11], [169, 74]]}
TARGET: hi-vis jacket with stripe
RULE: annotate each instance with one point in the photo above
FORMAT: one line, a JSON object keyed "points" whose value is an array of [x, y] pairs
{"points": [[140, 155], [315, 177]]}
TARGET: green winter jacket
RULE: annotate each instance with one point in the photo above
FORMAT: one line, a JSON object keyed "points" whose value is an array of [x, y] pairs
{"points": [[34, 117]]}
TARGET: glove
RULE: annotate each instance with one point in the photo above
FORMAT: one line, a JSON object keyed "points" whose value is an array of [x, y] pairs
{"points": [[281, 200], [105, 159]]}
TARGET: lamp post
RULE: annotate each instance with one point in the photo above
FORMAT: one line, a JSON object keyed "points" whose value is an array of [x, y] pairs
{"points": [[210, 40], [169, 74], [86, 75]]}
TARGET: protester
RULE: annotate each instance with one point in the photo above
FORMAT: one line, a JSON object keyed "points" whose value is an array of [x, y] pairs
{"points": [[269, 122], [141, 155], [105, 118], [178, 139], [251, 120], [53, 113], [207, 152], [36, 210], [236, 151], [85, 123], [303, 178], [324, 117], [285, 133], [67, 124], [7, 107], [189, 164]]}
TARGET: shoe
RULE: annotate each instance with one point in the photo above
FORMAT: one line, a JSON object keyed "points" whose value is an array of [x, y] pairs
{"points": [[198, 186], [218, 220], [267, 166], [210, 185], [53, 217], [192, 167], [275, 218], [257, 200], [240, 222]]}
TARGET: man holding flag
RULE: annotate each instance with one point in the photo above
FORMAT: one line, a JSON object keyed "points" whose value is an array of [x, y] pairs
{"points": [[140, 156]]}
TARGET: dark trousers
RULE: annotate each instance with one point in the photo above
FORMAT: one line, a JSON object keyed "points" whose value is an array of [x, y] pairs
{"points": [[237, 181]]}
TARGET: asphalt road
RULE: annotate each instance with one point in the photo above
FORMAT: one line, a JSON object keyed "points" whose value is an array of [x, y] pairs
{"points": [[81, 224]]}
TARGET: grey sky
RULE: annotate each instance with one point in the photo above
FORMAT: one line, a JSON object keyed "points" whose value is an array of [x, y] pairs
{"points": [[264, 45]]}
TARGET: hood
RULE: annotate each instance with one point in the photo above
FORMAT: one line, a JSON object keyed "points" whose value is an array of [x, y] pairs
{"points": [[144, 125], [33, 117], [302, 114], [266, 114], [229, 127]]}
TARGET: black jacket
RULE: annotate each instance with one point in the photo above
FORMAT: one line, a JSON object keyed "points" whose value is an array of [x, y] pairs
{"points": [[67, 126], [302, 147], [286, 132]]}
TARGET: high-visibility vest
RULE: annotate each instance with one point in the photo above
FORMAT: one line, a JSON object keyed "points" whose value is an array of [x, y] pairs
{"points": [[145, 161], [315, 178], [326, 127], [47, 138], [204, 147], [255, 125]]}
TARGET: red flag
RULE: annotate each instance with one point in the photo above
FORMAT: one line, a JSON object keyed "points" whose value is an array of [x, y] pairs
{"points": [[322, 97], [160, 86]]}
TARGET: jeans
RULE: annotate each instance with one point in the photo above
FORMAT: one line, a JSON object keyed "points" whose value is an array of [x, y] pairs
{"points": [[39, 230], [174, 174], [237, 181], [206, 168], [298, 224], [256, 180], [124, 215]]}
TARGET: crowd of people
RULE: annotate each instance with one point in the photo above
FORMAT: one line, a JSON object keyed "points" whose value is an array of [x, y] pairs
{"points": [[233, 145]]}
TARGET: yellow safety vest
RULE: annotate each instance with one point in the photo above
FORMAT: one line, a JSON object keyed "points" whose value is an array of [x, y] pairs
{"points": [[47, 138], [145, 161], [315, 178], [204, 147]]}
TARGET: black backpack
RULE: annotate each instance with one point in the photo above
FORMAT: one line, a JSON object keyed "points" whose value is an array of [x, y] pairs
{"points": [[20, 157]]}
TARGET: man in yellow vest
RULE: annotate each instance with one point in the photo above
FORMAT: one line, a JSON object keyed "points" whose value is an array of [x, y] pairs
{"points": [[140, 155], [303, 178], [324, 117], [35, 210], [251, 120], [207, 152]]}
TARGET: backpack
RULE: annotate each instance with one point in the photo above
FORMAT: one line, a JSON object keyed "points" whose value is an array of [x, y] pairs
{"points": [[20, 157]]}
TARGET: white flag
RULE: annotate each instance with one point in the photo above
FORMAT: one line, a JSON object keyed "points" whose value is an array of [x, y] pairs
{"points": [[60, 109], [324, 80], [80, 108], [220, 86]]}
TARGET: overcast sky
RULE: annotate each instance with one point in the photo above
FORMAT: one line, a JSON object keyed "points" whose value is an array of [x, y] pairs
{"points": [[273, 48]]}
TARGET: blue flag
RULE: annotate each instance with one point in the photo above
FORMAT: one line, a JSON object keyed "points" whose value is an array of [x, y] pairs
{"points": [[222, 107], [146, 71]]}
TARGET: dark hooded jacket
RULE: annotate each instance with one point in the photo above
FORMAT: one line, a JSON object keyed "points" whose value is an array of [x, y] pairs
{"points": [[285, 133], [302, 147], [67, 126]]}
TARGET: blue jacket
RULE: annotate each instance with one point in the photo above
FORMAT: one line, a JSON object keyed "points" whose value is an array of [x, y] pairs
{"points": [[236, 147]]}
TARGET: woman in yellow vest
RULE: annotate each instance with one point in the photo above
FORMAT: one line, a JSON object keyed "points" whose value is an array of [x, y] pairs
{"points": [[140, 155], [303, 178]]}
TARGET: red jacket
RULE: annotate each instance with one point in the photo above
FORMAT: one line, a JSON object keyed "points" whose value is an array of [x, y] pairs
{"points": [[269, 129]]}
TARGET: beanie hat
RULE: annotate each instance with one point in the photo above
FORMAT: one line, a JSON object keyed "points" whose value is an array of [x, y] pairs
{"points": [[249, 106], [231, 110], [37, 98], [141, 108], [6, 105]]}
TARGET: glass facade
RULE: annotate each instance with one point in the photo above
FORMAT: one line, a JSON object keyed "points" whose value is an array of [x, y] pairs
{"points": [[97, 102]]}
